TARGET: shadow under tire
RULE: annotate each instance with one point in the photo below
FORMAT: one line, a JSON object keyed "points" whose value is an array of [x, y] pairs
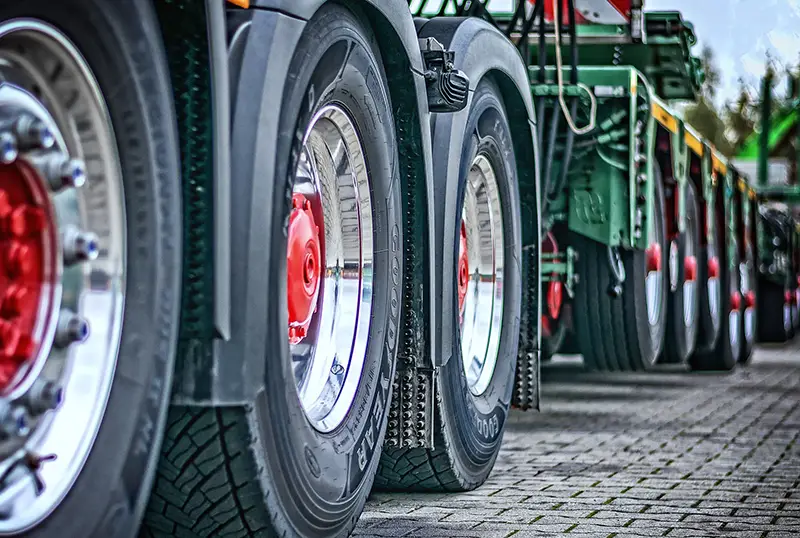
{"points": [[683, 305], [469, 427], [618, 334], [117, 41], [265, 469]]}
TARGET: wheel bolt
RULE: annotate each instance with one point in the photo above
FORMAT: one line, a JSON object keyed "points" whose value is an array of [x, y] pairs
{"points": [[79, 246], [18, 260], [8, 148], [33, 133], [11, 305], [26, 220], [71, 329], [62, 172], [44, 396], [14, 420]]}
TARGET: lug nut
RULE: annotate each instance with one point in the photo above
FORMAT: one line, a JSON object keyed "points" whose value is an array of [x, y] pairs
{"points": [[71, 329], [33, 133], [79, 246], [8, 148], [14, 420], [61, 172], [44, 396]]}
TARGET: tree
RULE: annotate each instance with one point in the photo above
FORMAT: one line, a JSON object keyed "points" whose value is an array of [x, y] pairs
{"points": [[740, 117], [703, 115]]}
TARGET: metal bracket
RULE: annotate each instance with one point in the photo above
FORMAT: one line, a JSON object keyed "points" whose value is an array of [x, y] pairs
{"points": [[448, 88]]}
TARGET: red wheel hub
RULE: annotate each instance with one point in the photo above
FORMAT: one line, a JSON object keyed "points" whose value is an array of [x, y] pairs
{"points": [[555, 289], [303, 267], [713, 267], [26, 233], [736, 301], [690, 268], [653, 257], [789, 298], [750, 299], [463, 268]]}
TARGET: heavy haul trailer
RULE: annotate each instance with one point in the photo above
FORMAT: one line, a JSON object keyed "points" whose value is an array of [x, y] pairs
{"points": [[648, 252], [240, 207]]}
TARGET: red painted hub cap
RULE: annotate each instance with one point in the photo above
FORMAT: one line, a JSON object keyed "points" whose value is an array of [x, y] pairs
{"points": [[789, 298], [653, 257], [713, 267], [25, 233], [303, 267], [463, 268], [690, 268], [555, 289], [555, 298], [750, 299], [736, 301]]}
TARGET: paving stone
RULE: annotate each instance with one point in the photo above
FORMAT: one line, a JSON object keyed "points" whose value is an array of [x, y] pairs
{"points": [[664, 454]]}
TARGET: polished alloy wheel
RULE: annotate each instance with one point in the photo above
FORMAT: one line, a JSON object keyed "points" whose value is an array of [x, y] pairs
{"points": [[62, 235], [329, 268], [654, 275], [481, 259]]}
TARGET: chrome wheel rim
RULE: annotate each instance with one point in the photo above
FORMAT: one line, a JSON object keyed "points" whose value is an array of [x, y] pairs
{"points": [[328, 337], [690, 273], [733, 315], [745, 273], [63, 388], [481, 308], [654, 281]]}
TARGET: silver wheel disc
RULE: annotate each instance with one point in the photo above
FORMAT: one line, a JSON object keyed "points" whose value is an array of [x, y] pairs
{"points": [[46, 85], [745, 273], [654, 280], [328, 357], [481, 299]]}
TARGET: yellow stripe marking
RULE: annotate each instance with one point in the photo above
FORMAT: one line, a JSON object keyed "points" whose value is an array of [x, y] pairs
{"points": [[663, 117]]}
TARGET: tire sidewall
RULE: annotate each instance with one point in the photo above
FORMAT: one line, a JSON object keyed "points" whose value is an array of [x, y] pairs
{"points": [[333, 471], [478, 421], [120, 42]]}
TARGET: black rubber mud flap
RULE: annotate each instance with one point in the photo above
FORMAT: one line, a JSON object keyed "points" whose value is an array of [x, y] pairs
{"points": [[468, 420], [683, 306], [726, 352], [617, 334], [121, 44], [263, 469]]}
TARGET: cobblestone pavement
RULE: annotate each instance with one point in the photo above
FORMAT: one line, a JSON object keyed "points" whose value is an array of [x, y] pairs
{"points": [[664, 454]]}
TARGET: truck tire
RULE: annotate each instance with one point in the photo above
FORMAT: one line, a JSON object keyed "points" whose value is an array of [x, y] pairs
{"points": [[625, 333], [85, 79], [728, 349], [749, 291], [774, 319], [301, 458], [683, 308], [474, 394], [710, 290], [555, 343]]}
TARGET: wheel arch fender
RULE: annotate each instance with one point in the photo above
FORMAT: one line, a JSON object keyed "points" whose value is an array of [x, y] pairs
{"points": [[261, 44], [480, 51]]}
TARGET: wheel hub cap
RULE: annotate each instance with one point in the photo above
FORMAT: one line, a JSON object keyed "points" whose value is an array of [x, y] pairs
{"points": [[463, 268], [303, 268]]}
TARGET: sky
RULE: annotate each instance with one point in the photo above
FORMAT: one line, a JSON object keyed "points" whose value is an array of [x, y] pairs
{"points": [[741, 32]]}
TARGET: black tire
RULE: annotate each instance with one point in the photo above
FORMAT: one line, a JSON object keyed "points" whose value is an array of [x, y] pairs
{"points": [[615, 334], [557, 342], [773, 326], [726, 353], [749, 329], [263, 469], [469, 427], [120, 41], [682, 336], [710, 323]]}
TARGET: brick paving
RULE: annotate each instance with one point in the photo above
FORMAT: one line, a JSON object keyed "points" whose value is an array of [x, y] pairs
{"points": [[662, 454]]}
